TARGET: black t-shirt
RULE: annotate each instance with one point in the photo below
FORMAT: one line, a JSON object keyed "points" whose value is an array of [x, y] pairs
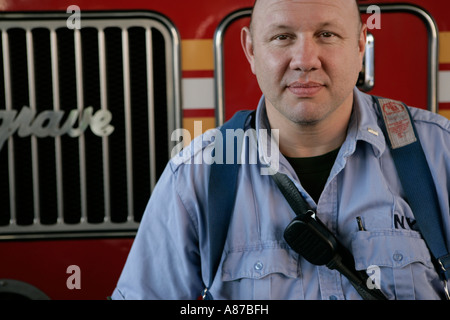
{"points": [[313, 172]]}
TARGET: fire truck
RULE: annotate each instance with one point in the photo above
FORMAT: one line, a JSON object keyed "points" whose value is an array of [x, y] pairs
{"points": [[91, 92]]}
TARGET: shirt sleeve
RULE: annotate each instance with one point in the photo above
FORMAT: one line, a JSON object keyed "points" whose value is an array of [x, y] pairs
{"points": [[164, 261]]}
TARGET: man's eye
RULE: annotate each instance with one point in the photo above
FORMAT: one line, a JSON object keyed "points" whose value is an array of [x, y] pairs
{"points": [[281, 37], [327, 34]]}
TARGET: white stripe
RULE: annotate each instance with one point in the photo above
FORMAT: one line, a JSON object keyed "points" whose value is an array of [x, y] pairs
{"points": [[444, 86], [198, 93]]}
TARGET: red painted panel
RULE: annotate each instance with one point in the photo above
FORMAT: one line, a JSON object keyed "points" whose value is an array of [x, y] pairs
{"points": [[401, 59], [44, 264]]}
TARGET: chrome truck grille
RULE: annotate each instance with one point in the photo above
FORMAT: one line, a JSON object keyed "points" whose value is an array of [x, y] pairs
{"points": [[85, 120]]}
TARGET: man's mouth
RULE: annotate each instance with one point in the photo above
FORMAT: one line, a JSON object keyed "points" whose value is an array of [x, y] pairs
{"points": [[305, 89]]}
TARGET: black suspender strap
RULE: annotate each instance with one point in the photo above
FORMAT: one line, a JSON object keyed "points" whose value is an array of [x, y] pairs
{"points": [[221, 197]]}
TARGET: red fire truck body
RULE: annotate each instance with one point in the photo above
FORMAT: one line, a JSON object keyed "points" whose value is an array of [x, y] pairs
{"points": [[91, 91]]}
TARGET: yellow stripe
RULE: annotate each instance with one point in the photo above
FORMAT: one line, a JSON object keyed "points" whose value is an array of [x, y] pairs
{"points": [[207, 123], [445, 113], [444, 47], [197, 54]]}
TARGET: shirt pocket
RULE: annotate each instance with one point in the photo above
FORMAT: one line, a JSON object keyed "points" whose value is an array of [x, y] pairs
{"points": [[397, 260], [262, 273]]}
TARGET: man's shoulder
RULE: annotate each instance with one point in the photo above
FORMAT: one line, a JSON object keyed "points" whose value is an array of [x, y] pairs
{"points": [[428, 118], [420, 116]]}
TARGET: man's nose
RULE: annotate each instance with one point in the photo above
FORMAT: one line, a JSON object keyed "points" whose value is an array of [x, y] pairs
{"points": [[305, 55]]}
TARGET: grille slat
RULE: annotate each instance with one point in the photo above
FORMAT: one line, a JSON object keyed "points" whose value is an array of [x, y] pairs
{"points": [[80, 108], [57, 108], [4, 169], [127, 115], [57, 173], [105, 141]]}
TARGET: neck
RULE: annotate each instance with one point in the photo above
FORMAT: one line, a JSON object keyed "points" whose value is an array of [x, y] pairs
{"points": [[310, 140]]}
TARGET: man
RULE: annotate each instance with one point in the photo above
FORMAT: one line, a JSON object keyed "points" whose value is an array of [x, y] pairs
{"points": [[306, 56]]}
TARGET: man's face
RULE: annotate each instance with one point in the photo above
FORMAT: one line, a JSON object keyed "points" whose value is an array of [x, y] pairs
{"points": [[306, 55]]}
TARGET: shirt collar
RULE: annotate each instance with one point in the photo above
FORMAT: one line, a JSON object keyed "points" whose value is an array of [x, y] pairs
{"points": [[364, 123], [363, 126], [262, 126]]}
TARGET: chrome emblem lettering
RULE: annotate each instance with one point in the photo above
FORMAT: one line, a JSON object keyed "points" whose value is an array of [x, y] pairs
{"points": [[48, 123]]}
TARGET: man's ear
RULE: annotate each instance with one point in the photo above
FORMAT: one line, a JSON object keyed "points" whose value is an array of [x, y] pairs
{"points": [[247, 46], [362, 42]]}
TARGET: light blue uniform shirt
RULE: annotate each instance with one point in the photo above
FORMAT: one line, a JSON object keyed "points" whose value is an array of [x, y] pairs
{"points": [[169, 257]]}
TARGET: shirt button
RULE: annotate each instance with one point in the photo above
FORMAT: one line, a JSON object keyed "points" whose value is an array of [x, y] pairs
{"points": [[397, 257], [258, 266]]}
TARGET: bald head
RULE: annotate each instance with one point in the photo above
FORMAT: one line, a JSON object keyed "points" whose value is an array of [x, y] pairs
{"points": [[260, 3]]}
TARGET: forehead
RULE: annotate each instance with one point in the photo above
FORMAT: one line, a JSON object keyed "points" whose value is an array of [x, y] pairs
{"points": [[292, 13]]}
